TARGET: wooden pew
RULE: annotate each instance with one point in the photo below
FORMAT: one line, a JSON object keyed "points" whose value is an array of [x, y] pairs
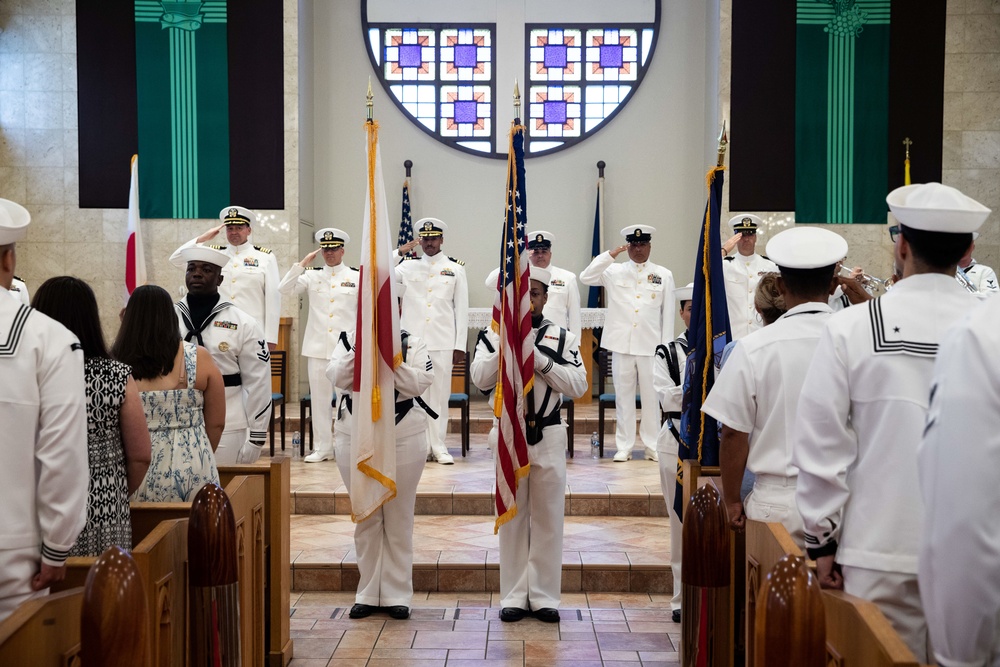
{"points": [[277, 553], [766, 544], [44, 632]]}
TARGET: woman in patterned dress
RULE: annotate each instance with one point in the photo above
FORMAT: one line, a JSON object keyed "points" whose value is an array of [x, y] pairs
{"points": [[117, 440], [182, 394]]}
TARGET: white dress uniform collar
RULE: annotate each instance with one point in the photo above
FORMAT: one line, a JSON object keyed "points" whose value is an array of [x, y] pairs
{"points": [[237, 249], [436, 258]]}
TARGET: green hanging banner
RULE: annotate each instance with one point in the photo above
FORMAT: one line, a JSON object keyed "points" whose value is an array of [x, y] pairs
{"points": [[183, 107], [841, 110]]}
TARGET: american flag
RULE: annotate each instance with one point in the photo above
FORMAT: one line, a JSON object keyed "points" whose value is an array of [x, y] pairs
{"points": [[377, 352], [512, 322], [406, 222]]}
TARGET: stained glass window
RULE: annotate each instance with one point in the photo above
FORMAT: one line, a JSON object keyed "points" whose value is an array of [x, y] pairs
{"points": [[440, 67]]}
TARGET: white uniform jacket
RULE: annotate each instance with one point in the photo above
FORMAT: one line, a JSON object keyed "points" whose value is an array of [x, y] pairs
{"points": [[670, 392], [436, 303], [641, 306], [860, 418], [558, 369], [237, 347], [19, 291], [563, 305], [412, 377], [983, 277], [742, 275], [333, 304], [249, 282], [43, 411], [758, 390], [959, 463]]}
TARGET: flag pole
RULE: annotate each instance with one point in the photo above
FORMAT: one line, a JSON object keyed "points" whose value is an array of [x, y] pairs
{"points": [[906, 163], [723, 143]]}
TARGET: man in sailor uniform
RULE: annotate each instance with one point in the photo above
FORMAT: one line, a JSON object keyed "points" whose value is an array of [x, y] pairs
{"points": [[237, 346], [19, 291]]}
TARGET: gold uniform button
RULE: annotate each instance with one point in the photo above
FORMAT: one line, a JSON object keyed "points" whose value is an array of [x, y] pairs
{"points": [[329, 330]]}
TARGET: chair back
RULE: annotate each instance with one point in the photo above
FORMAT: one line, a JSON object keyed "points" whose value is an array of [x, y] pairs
{"points": [[603, 369], [461, 369], [279, 373]]}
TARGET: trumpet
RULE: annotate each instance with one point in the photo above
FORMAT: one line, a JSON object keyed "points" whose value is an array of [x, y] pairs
{"points": [[867, 280], [964, 281]]}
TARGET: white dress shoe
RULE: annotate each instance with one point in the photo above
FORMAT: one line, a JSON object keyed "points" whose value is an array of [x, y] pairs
{"points": [[622, 456], [445, 458], [651, 455], [319, 455]]}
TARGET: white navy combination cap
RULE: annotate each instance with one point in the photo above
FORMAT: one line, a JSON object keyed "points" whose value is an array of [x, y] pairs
{"points": [[202, 253], [14, 221], [331, 237], [237, 215], [806, 248], [541, 275], [540, 239], [430, 227], [684, 293], [933, 207], [638, 233], [745, 222]]}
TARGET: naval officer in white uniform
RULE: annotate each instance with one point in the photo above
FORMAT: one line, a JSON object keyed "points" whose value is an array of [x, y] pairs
{"points": [[640, 316], [530, 568], [742, 271], [863, 408], [251, 274], [757, 393], [436, 310], [237, 346], [333, 309], [43, 410]]}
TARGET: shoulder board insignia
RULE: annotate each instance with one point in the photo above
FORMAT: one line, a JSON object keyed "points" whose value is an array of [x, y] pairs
{"points": [[217, 247], [354, 268], [262, 249], [19, 278], [728, 259], [314, 268], [457, 261], [223, 324], [405, 258]]}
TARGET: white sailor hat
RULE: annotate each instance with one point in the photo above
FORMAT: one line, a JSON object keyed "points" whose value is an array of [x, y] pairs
{"points": [[14, 221], [745, 222], [541, 275], [684, 293], [430, 227], [203, 253], [237, 215], [540, 239], [933, 207], [806, 248], [638, 233], [331, 237]]}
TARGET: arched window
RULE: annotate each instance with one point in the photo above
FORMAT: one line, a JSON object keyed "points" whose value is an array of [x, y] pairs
{"points": [[574, 76]]}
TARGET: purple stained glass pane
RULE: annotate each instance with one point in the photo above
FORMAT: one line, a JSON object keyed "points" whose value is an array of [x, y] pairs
{"points": [[611, 55], [409, 55], [555, 55], [465, 55], [466, 112], [555, 112]]}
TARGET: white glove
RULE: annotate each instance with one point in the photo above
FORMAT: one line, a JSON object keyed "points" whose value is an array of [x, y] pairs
{"points": [[249, 453]]}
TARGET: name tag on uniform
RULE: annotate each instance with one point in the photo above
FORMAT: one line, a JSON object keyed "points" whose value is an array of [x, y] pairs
{"points": [[250, 261], [447, 272], [222, 324]]}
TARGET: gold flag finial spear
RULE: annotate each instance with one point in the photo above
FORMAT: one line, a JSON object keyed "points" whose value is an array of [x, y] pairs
{"points": [[370, 97], [907, 143], [723, 142], [517, 102]]}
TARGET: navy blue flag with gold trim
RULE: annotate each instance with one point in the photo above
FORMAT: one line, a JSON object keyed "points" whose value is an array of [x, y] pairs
{"points": [[707, 337]]}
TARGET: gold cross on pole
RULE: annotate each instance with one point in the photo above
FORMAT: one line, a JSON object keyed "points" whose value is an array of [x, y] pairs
{"points": [[907, 143]]}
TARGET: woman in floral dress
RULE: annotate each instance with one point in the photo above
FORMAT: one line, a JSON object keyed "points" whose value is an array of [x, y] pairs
{"points": [[182, 394]]}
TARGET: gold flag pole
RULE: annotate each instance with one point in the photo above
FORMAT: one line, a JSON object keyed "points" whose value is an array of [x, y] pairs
{"points": [[723, 142], [517, 103], [906, 163]]}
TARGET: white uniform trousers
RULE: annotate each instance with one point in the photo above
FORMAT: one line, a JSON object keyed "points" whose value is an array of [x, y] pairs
{"points": [[531, 542], [667, 449], [321, 392], [384, 541], [17, 567], [229, 446], [898, 597], [436, 397], [627, 370], [773, 501]]}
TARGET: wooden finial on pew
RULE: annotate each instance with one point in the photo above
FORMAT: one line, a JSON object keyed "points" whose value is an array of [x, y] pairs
{"points": [[791, 622], [113, 618], [214, 577]]}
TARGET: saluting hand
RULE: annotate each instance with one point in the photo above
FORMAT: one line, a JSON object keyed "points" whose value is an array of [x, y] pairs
{"points": [[210, 234], [730, 243], [408, 246], [614, 252], [307, 260]]}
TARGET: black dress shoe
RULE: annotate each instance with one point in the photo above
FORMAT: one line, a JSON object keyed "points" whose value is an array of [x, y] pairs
{"points": [[547, 615], [361, 611], [676, 616], [512, 614], [399, 612]]}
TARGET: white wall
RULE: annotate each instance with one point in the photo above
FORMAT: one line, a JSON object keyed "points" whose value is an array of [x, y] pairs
{"points": [[654, 149]]}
